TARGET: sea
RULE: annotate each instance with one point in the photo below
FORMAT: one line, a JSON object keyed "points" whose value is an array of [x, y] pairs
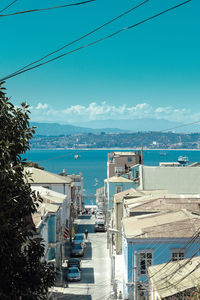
{"points": [[92, 164]]}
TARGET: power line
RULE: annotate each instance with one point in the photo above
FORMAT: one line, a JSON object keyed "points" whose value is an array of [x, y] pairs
{"points": [[97, 41], [82, 37], [8, 6], [192, 123], [43, 9]]}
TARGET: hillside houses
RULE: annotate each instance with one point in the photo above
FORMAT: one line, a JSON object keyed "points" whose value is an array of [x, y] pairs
{"points": [[61, 199], [152, 210]]}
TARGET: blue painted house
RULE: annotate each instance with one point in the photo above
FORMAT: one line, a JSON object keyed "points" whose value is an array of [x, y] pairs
{"points": [[155, 239], [114, 185]]}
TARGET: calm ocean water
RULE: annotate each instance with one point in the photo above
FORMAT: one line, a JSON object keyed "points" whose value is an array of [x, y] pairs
{"points": [[92, 164]]}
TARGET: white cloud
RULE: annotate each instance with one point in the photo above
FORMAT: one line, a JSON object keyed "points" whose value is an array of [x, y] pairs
{"points": [[41, 106], [101, 111]]}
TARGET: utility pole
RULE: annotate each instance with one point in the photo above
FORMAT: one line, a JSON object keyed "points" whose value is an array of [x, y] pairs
{"points": [[135, 277]]}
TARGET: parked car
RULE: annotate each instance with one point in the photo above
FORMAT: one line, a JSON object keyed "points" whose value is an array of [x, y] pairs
{"points": [[100, 218], [100, 226], [74, 262], [73, 274], [98, 212], [77, 250], [79, 239]]}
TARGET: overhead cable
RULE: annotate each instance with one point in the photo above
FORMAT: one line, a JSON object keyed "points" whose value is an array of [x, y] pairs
{"points": [[84, 36], [8, 6], [97, 41], [48, 8]]}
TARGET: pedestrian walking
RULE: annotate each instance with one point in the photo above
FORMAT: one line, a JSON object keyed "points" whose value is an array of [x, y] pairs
{"points": [[86, 233]]}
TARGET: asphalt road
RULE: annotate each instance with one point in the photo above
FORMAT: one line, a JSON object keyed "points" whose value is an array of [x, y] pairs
{"points": [[95, 272]]}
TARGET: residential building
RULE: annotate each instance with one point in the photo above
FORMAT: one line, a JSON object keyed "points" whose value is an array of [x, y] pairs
{"points": [[177, 180], [118, 163], [40, 220], [100, 199], [57, 183], [77, 192], [54, 182], [155, 239], [114, 185], [51, 220], [118, 214], [175, 280]]}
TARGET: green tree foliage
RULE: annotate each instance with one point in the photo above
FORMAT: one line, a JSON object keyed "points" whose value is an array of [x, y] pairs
{"points": [[23, 275], [33, 165]]}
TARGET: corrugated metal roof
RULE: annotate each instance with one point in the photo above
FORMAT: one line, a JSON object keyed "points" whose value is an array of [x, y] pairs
{"points": [[118, 179], [41, 176], [49, 194], [160, 204], [130, 192], [166, 224], [51, 207], [125, 153], [175, 277]]}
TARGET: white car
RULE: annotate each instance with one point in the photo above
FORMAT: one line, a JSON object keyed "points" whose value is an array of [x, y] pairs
{"points": [[100, 217], [73, 274]]}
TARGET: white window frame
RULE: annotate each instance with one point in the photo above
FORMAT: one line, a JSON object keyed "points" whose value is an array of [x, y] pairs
{"points": [[177, 254], [146, 259]]}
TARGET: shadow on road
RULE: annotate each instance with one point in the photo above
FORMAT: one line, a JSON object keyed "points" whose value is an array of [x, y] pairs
{"points": [[60, 296], [87, 275], [88, 252], [84, 217], [80, 228]]}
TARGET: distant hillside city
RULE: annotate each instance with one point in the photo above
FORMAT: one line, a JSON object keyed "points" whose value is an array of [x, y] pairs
{"points": [[150, 140]]}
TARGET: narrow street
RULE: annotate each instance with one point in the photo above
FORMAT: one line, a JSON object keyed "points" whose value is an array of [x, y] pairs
{"points": [[95, 270]]}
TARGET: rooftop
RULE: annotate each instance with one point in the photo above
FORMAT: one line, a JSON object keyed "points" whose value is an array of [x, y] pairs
{"points": [[41, 176], [49, 195], [168, 280], [169, 202], [127, 193], [161, 225], [118, 153], [118, 179]]}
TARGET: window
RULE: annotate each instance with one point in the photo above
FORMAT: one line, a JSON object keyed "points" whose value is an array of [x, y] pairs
{"points": [[118, 189], [129, 159], [145, 260], [177, 255]]}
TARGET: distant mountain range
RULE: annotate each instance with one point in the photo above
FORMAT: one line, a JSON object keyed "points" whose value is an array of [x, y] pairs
{"points": [[145, 124], [113, 126], [55, 129]]}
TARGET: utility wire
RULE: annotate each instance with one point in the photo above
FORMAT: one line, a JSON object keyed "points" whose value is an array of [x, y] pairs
{"points": [[84, 36], [43, 9], [169, 129], [97, 41], [8, 6]]}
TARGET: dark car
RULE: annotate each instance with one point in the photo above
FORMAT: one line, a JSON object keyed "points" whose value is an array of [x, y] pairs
{"points": [[77, 250], [100, 226], [74, 262]]}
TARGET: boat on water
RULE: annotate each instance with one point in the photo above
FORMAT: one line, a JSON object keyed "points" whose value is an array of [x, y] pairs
{"points": [[183, 160]]}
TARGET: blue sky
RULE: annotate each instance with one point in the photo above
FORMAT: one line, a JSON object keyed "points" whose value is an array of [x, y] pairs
{"points": [[151, 71]]}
